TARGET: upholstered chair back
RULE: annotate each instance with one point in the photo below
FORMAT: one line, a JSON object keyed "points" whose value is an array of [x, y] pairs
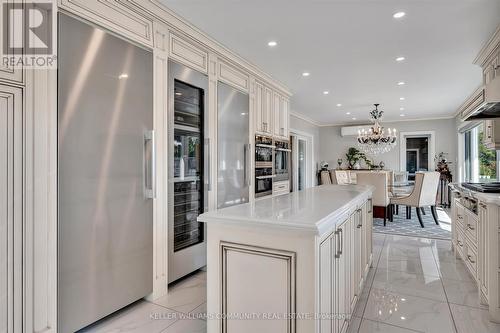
{"points": [[380, 181], [325, 178], [426, 183], [342, 177]]}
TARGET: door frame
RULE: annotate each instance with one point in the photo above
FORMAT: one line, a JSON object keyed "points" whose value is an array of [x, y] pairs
{"points": [[417, 134], [310, 155]]}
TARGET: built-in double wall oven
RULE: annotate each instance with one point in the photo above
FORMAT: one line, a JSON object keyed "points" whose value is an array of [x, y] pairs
{"points": [[264, 156], [272, 164]]}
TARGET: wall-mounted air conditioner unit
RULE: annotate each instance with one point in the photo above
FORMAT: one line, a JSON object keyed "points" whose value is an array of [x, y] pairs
{"points": [[353, 130]]}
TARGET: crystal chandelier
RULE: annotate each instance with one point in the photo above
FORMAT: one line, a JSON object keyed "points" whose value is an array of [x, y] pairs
{"points": [[376, 140]]}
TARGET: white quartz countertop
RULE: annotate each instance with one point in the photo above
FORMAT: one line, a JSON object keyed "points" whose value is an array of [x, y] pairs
{"points": [[316, 209], [488, 198]]}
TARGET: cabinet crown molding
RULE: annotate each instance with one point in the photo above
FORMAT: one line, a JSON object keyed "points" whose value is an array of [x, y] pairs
{"points": [[488, 50]]}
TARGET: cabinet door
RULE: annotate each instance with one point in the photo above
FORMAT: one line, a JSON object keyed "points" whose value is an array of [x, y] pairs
{"points": [[488, 133], [341, 278], [276, 114], [284, 117], [358, 253], [327, 290], [484, 255], [259, 107], [369, 229], [8, 72], [10, 209], [267, 111], [352, 262]]}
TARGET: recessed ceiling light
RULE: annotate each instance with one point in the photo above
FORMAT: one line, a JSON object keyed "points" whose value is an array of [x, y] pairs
{"points": [[402, 115], [403, 318], [401, 98], [339, 105], [399, 15], [306, 74], [347, 113], [399, 59], [123, 76], [401, 83], [401, 109], [326, 92], [353, 118], [272, 43]]}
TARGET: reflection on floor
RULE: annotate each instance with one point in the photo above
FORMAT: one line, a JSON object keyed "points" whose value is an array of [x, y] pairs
{"points": [[182, 311], [412, 228], [415, 285]]}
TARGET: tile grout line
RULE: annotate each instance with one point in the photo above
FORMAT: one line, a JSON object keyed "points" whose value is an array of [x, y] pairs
{"points": [[445, 294]]}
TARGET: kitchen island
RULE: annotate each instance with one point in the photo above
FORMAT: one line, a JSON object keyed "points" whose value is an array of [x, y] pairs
{"points": [[293, 263]]}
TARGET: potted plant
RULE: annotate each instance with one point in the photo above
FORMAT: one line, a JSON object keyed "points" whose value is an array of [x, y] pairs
{"points": [[354, 155]]}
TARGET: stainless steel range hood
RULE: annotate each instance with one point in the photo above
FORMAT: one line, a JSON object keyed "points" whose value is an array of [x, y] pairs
{"points": [[490, 107]]}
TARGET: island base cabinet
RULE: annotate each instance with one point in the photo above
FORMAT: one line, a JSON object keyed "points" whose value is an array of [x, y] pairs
{"points": [[286, 280]]}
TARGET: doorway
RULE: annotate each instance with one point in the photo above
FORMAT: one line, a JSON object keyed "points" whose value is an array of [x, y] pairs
{"points": [[302, 161], [417, 152]]}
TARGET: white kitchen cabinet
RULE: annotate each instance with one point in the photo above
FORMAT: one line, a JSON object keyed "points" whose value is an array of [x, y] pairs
{"points": [[11, 258], [483, 253], [281, 188], [476, 240], [281, 110], [234, 76], [119, 16], [492, 134], [188, 53], [263, 109], [7, 71]]}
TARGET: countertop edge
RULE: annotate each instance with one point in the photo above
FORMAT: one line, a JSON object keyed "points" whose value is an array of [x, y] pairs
{"points": [[489, 198], [319, 227]]}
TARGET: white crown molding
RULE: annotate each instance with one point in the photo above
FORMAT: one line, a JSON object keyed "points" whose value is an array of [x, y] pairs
{"points": [[305, 118], [488, 49]]}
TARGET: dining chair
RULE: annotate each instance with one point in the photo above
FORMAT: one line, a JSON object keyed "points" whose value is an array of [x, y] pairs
{"points": [[423, 195], [340, 177], [325, 178], [381, 194]]}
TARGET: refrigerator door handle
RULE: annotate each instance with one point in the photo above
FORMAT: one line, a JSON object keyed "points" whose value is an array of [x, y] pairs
{"points": [[247, 150], [208, 179], [150, 176]]}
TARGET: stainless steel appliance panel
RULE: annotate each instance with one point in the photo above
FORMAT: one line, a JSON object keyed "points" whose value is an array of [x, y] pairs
{"points": [[233, 146], [105, 175], [188, 170]]}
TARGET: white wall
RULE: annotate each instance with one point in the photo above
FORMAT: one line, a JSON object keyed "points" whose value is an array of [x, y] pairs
{"points": [[332, 146], [304, 126]]}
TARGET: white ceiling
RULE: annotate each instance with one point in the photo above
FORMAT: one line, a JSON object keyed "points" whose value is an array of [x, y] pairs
{"points": [[350, 46]]}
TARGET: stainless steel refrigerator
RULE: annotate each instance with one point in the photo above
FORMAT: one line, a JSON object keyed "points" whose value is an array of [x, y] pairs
{"points": [[233, 146], [105, 173]]}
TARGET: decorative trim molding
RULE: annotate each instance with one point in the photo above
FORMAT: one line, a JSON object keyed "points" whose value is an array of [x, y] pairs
{"points": [[488, 49], [288, 257], [305, 118]]}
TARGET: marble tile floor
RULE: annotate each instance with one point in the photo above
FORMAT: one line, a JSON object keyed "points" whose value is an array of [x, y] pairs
{"points": [[415, 285]]}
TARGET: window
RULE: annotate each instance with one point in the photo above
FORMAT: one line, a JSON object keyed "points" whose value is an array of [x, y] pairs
{"points": [[480, 163]]}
